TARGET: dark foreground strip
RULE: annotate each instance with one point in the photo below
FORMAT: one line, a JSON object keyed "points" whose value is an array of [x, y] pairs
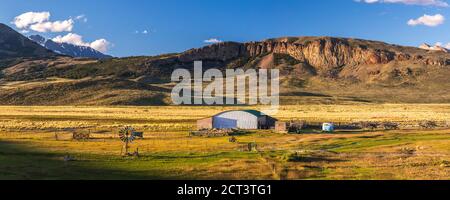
{"points": [[226, 189]]}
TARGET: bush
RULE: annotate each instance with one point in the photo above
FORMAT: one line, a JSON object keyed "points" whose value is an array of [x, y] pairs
{"points": [[291, 157], [428, 124], [370, 125], [390, 126]]}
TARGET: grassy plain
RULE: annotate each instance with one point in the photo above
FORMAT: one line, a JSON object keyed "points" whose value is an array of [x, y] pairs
{"points": [[35, 140]]}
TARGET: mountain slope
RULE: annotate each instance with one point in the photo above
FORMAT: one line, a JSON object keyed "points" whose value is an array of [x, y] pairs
{"points": [[95, 91], [338, 59], [14, 45], [69, 49]]}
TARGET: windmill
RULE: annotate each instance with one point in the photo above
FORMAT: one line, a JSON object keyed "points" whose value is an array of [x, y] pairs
{"points": [[127, 135]]}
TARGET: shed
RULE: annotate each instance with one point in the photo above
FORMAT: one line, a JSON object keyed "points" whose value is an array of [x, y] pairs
{"points": [[238, 119], [328, 127], [290, 127], [281, 127]]}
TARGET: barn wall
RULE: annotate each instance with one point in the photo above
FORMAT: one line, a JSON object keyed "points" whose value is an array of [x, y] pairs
{"points": [[267, 122], [236, 119], [205, 123]]}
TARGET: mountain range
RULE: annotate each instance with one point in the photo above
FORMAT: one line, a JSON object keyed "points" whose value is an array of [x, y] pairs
{"points": [[325, 70], [68, 49]]}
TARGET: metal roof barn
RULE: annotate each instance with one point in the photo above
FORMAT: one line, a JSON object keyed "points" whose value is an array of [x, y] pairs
{"points": [[242, 119]]}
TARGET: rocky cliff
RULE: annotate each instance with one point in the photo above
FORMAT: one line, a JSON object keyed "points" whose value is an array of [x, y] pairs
{"points": [[323, 53]]}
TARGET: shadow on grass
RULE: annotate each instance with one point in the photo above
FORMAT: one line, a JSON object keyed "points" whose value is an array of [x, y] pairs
{"points": [[303, 94], [311, 159], [296, 157], [20, 162], [337, 132], [206, 156]]}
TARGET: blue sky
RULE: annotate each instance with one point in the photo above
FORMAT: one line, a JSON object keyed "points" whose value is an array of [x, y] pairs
{"points": [[178, 25]]}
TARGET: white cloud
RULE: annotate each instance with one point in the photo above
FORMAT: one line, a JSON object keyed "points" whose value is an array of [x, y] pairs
{"points": [[427, 20], [56, 26], [40, 22], [101, 45], [145, 31], [24, 20], [82, 18], [437, 3], [212, 40], [71, 38]]}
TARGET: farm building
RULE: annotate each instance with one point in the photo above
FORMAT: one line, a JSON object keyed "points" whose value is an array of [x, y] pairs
{"points": [[238, 119], [289, 127], [328, 127]]}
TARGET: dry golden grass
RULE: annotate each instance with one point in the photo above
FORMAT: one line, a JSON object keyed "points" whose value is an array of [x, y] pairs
{"points": [[169, 118]]}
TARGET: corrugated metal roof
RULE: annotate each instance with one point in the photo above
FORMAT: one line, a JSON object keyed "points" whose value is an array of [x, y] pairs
{"points": [[253, 112]]}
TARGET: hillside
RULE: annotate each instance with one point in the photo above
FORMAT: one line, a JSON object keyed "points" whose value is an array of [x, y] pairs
{"points": [[14, 44], [313, 70], [325, 57]]}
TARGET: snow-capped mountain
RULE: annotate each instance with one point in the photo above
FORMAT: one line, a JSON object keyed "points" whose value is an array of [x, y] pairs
{"points": [[434, 48], [69, 49]]}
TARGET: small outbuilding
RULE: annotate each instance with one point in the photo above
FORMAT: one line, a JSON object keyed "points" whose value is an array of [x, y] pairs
{"points": [[290, 127], [281, 127], [328, 127], [238, 119]]}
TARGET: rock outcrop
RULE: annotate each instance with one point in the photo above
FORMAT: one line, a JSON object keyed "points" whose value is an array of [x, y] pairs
{"points": [[323, 53]]}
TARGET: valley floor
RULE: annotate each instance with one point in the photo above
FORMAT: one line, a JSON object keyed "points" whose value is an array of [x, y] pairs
{"points": [[34, 142]]}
